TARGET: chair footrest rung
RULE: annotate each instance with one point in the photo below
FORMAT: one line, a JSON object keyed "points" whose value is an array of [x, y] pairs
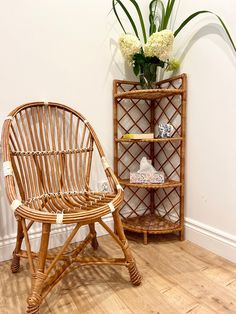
{"points": [[100, 261]]}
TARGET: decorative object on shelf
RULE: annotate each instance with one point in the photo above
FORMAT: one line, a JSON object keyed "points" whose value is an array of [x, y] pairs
{"points": [[165, 130], [151, 208], [147, 173], [147, 54], [138, 136]]}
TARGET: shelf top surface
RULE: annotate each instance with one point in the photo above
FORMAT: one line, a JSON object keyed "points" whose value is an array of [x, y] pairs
{"points": [[148, 94], [167, 184]]}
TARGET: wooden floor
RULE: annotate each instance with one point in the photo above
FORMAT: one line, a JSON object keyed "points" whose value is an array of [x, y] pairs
{"points": [[178, 277]]}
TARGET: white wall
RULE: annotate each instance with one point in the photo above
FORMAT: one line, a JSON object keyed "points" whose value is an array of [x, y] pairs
{"points": [[58, 50], [66, 51], [210, 63]]}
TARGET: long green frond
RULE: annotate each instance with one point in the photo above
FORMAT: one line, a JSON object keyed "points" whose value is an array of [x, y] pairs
{"points": [[140, 19], [187, 20], [169, 9], [116, 14], [152, 16], [163, 13], [127, 14]]}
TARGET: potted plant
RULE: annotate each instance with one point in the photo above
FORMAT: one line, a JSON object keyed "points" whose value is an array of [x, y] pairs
{"points": [[145, 54]]}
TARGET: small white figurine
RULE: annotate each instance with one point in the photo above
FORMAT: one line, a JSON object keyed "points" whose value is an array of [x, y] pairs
{"points": [[165, 130]]}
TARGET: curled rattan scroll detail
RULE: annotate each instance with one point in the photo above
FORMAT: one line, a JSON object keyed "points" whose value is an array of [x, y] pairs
{"points": [[36, 298], [135, 277], [15, 264]]}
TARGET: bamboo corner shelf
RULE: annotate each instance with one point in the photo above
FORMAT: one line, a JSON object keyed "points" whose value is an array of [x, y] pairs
{"points": [[151, 208], [148, 94]]}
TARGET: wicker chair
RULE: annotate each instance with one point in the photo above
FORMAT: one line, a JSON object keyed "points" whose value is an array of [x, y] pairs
{"points": [[47, 165]]}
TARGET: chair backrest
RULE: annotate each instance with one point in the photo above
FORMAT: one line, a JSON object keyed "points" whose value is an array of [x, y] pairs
{"points": [[50, 147]]}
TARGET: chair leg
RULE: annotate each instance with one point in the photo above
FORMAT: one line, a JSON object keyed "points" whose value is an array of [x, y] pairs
{"points": [[94, 242], [38, 278], [15, 264], [35, 299], [135, 276]]}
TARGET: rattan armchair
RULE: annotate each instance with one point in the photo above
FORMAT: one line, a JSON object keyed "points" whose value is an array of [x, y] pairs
{"points": [[48, 151]]}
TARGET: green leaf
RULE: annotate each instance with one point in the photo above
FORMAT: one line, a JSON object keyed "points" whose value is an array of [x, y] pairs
{"points": [[168, 13], [127, 14], [136, 69], [152, 16], [163, 13], [153, 72], [142, 80], [114, 2], [139, 58], [187, 20], [140, 19], [116, 14]]}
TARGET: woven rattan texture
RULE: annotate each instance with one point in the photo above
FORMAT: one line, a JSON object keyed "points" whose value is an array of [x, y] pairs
{"points": [[151, 208], [51, 149]]}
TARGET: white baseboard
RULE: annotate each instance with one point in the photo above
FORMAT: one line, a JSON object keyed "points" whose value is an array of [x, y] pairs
{"points": [[212, 239], [58, 236]]}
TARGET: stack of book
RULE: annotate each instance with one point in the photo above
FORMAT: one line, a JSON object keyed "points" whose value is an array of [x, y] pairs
{"points": [[138, 136]]}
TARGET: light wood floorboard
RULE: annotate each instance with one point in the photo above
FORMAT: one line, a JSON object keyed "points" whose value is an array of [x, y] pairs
{"points": [[178, 277]]}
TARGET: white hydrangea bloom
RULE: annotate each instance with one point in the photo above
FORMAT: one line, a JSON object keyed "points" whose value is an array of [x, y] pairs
{"points": [[159, 45], [129, 46]]}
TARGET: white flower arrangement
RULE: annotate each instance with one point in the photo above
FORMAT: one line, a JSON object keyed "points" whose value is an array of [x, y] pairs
{"points": [[157, 49], [129, 46], [160, 45], [145, 59]]}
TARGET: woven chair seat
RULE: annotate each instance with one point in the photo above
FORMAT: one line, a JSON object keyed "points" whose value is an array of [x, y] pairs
{"points": [[74, 205]]}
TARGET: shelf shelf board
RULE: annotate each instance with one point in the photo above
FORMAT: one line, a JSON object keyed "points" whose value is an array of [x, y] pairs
{"points": [[166, 139], [148, 94], [167, 184], [150, 223]]}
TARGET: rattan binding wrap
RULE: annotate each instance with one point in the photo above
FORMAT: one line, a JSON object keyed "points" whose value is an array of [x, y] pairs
{"points": [[51, 148]]}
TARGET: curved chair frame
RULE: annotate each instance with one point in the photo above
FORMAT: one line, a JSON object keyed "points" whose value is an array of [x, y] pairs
{"points": [[47, 155]]}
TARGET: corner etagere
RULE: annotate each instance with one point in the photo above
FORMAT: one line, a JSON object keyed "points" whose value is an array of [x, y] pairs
{"points": [[151, 208]]}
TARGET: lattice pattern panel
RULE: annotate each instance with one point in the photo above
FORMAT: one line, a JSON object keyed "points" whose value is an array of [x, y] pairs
{"points": [[144, 116], [167, 159], [136, 202], [133, 116], [167, 204], [176, 83], [130, 155], [169, 110]]}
